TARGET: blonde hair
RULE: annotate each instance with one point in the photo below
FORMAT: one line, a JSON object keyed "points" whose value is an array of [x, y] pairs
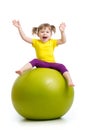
{"points": [[35, 30]]}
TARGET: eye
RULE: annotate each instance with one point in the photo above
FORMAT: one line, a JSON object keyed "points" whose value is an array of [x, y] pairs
{"points": [[47, 32], [42, 31]]}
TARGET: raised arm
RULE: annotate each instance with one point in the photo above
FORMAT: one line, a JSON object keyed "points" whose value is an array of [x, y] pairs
{"points": [[62, 31], [22, 34]]}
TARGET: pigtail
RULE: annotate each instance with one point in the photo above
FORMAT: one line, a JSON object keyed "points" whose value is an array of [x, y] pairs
{"points": [[34, 30], [53, 28]]}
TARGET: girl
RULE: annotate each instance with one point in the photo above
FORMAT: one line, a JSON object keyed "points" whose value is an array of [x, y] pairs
{"points": [[44, 47]]}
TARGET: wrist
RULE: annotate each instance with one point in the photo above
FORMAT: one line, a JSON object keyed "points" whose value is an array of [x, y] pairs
{"points": [[19, 28], [62, 32]]}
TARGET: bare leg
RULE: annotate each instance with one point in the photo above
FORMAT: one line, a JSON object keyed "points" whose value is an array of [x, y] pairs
{"points": [[68, 78], [24, 68]]}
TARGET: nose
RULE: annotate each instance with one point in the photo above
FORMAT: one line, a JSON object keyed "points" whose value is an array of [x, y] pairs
{"points": [[44, 33]]}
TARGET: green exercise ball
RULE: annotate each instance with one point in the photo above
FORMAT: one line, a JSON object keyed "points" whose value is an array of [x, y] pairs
{"points": [[41, 94]]}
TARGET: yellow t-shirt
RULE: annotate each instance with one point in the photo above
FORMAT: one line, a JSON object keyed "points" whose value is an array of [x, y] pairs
{"points": [[44, 51]]}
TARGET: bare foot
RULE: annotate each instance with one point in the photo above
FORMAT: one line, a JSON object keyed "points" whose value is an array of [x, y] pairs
{"points": [[19, 72], [70, 84]]}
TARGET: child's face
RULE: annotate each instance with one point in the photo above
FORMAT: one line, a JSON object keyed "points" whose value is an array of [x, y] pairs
{"points": [[45, 34]]}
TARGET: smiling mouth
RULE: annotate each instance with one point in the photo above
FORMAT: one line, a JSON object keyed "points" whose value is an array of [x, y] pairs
{"points": [[44, 38]]}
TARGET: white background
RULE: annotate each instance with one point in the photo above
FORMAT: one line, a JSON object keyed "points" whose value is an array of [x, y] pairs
{"points": [[14, 53]]}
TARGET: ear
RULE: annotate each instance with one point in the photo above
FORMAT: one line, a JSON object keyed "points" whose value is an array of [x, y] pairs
{"points": [[38, 34]]}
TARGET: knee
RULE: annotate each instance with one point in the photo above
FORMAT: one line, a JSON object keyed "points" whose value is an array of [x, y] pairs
{"points": [[62, 68], [61, 65], [34, 62]]}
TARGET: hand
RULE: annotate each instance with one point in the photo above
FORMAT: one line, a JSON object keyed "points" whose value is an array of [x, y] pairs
{"points": [[16, 23], [62, 27]]}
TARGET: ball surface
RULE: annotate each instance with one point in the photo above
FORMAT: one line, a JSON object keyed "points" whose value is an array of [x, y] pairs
{"points": [[41, 93]]}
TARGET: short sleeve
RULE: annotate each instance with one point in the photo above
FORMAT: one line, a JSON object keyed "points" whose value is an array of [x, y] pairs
{"points": [[55, 43], [34, 41]]}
